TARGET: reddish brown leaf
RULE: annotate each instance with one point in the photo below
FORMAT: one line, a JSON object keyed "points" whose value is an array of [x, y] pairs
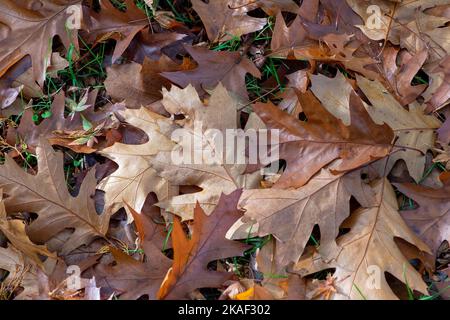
{"points": [[309, 146], [229, 68], [222, 20]]}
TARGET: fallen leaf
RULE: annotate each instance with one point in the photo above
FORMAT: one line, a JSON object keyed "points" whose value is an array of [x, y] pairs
{"points": [[111, 23], [290, 215], [14, 230], [271, 7], [223, 21], [400, 77], [191, 256], [414, 129], [135, 178], [22, 273], [432, 219], [46, 194], [131, 278], [34, 27], [29, 133], [138, 85], [228, 68], [368, 251], [323, 138], [213, 177]]}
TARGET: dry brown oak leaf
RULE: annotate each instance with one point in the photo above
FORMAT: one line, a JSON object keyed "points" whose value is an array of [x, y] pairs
{"points": [[219, 112], [444, 132], [431, 221], [414, 130], [439, 94], [309, 146], [139, 85], [369, 250], [14, 230], [207, 243], [112, 23], [304, 40], [29, 28], [276, 279], [224, 19], [290, 215], [135, 178], [229, 68], [130, 278], [400, 75], [46, 194], [411, 24]]}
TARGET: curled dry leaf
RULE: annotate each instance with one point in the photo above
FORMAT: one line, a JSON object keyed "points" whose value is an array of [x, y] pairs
{"points": [[29, 133], [14, 230], [22, 274]]}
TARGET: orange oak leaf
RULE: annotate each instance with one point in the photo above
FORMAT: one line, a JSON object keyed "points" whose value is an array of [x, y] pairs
{"points": [[207, 243]]}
